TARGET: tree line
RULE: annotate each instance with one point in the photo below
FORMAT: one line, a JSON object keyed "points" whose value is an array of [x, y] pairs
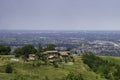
{"points": [[30, 49], [25, 50]]}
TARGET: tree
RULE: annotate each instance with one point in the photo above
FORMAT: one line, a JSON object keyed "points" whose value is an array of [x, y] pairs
{"points": [[50, 47], [40, 48], [28, 49], [4, 50], [18, 52], [8, 49], [39, 51], [25, 51]]}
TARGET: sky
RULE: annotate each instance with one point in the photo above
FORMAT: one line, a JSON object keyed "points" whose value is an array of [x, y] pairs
{"points": [[60, 14]]}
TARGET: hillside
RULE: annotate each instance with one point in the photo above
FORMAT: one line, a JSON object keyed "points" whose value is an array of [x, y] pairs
{"points": [[114, 59], [104, 66], [26, 70]]}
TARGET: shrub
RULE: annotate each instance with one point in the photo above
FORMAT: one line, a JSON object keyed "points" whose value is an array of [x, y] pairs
{"points": [[36, 63], [8, 68], [55, 64], [46, 78], [73, 76]]}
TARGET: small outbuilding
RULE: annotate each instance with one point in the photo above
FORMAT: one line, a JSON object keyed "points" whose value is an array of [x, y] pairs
{"points": [[32, 57], [64, 54]]}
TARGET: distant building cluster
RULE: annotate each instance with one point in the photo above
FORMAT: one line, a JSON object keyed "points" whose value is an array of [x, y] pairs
{"points": [[98, 42], [99, 47]]}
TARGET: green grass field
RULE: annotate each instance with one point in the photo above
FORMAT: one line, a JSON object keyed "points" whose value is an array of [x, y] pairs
{"points": [[27, 71]]}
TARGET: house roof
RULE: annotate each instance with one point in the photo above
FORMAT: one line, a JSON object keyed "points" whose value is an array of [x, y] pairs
{"points": [[51, 56], [47, 52], [51, 51]]}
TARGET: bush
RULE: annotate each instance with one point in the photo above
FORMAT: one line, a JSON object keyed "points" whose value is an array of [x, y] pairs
{"points": [[36, 63], [4, 50], [8, 68], [55, 64], [73, 76], [46, 78]]}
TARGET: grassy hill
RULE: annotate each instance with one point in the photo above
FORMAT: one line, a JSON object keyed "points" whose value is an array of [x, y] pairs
{"points": [[113, 59], [26, 70]]}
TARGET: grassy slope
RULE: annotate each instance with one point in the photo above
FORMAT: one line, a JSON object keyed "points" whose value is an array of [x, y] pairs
{"points": [[113, 59], [38, 73]]}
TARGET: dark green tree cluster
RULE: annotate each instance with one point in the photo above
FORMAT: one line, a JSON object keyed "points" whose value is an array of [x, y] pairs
{"points": [[107, 69], [8, 68], [18, 52], [25, 51], [73, 76], [4, 50], [29, 49]]}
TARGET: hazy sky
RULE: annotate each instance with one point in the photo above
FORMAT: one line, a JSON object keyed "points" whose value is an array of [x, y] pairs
{"points": [[60, 14]]}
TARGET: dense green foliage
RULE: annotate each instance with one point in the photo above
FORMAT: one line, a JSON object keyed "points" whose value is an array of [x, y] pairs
{"points": [[40, 48], [18, 52], [28, 49], [39, 52], [4, 50], [8, 68], [106, 68], [25, 51]]}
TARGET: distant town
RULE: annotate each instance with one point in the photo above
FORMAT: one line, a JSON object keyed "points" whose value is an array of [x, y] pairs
{"points": [[97, 42]]}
